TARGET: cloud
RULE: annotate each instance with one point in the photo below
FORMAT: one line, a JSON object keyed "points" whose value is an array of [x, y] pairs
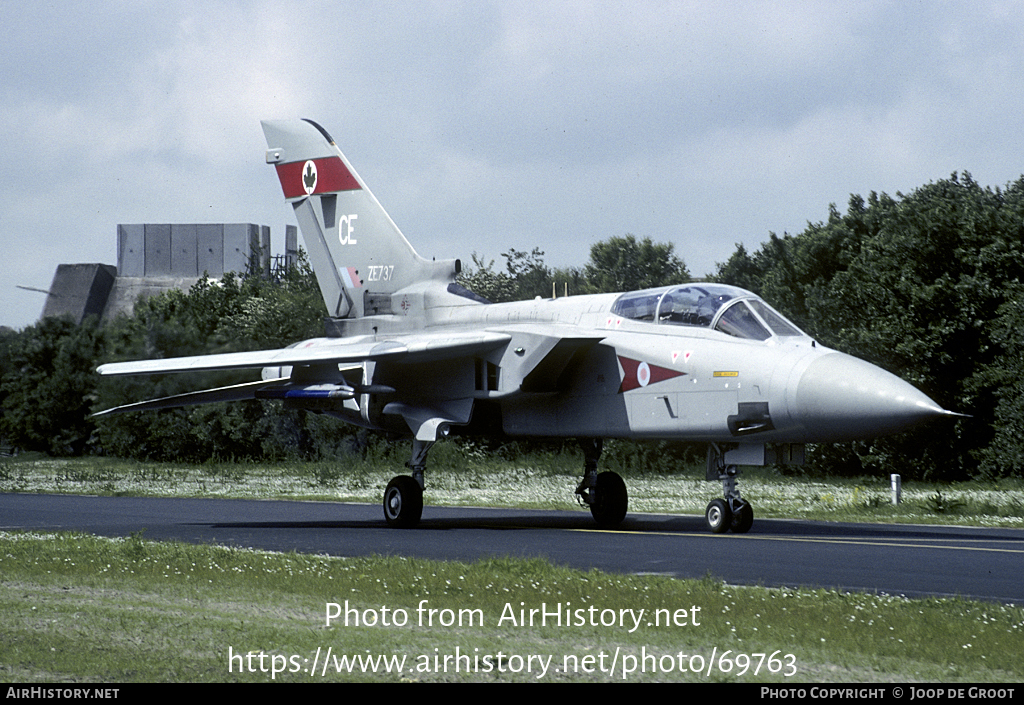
{"points": [[486, 125]]}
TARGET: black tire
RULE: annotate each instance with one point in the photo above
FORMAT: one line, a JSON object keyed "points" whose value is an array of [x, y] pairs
{"points": [[403, 502], [612, 500], [718, 516], [742, 518]]}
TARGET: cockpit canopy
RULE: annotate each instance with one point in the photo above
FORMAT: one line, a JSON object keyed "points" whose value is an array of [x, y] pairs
{"points": [[719, 307]]}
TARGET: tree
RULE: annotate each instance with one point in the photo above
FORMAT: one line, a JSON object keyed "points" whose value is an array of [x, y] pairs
{"points": [[626, 264], [246, 312], [49, 384], [616, 264], [741, 270], [1004, 456], [917, 284], [525, 277], [482, 280]]}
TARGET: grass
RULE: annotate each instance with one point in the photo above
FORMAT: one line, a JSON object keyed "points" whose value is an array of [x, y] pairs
{"points": [[82, 608], [88, 609], [546, 481]]}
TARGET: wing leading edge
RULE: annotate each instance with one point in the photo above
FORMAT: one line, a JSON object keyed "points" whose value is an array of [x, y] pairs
{"points": [[412, 348]]}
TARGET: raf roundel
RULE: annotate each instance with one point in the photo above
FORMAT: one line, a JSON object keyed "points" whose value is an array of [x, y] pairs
{"points": [[309, 177], [643, 374], [637, 374]]}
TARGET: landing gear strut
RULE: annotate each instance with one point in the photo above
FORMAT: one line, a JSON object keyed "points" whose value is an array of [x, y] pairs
{"points": [[403, 497], [732, 512], [605, 493]]}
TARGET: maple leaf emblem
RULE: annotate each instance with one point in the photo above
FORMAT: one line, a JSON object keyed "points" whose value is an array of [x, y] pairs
{"points": [[309, 178]]}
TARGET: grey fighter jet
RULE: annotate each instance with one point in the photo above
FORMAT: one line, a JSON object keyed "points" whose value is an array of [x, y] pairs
{"points": [[411, 352]]}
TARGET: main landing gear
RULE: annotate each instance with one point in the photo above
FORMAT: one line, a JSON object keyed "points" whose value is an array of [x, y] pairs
{"points": [[604, 492], [732, 512], [403, 497]]}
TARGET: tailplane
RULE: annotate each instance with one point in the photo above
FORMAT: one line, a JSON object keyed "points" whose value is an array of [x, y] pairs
{"points": [[359, 255]]}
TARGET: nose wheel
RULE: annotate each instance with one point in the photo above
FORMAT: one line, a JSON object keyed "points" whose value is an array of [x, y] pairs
{"points": [[724, 515], [731, 512]]}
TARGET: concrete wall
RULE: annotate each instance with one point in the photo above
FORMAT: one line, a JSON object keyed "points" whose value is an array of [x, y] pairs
{"points": [[152, 258], [79, 290], [127, 290], [291, 245], [188, 250]]}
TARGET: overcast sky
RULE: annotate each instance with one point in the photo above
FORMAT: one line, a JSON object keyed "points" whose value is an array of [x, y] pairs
{"points": [[482, 126]]}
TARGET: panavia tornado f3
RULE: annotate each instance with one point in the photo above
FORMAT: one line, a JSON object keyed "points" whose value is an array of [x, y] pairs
{"points": [[410, 351]]}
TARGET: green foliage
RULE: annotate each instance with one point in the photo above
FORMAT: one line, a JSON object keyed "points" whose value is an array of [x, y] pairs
{"points": [[1005, 378], [525, 277], [925, 286], [651, 457], [48, 384], [248, 312], [617, 264], [943, 505], [626, 264], [496, 287]]}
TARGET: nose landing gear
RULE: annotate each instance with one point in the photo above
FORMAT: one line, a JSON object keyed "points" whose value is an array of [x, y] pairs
{"points": [[732, 512]]}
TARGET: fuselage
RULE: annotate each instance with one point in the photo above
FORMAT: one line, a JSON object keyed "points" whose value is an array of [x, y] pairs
{"points": [[696, 362]]}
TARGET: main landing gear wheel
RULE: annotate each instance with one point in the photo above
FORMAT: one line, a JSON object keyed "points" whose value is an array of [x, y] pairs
{"points": [[742, 517], [718, 516], [403, 502], [612, 500]]}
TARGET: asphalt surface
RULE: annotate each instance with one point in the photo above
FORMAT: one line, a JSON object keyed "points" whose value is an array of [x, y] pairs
{"points": [[912, 560]]}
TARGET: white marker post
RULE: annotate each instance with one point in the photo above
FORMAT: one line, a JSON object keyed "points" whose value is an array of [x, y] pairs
{"points": [[897, 488]]}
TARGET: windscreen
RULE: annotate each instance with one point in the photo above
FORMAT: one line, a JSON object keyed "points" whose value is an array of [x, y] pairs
{"points": [[778, 324], [738, 320], [728, 309]]}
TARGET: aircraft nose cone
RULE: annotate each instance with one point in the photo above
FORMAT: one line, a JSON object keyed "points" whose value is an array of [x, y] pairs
{"points": [[841, 398]]}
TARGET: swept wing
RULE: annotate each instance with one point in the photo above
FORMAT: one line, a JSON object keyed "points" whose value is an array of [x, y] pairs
{"points": [[325, 351]]}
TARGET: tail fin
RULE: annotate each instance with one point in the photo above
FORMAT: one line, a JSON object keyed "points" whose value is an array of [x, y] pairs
{"points": [[359, 255]]}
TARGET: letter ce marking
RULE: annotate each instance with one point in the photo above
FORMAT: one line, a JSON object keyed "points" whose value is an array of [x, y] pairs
{"points": [[345, 229]]}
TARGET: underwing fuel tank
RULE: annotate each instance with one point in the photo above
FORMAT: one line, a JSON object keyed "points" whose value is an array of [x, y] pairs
{"points": [[841, 398]]}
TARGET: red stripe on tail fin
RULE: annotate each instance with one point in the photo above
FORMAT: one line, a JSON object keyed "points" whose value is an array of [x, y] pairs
{"points": [[315, 176]]}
